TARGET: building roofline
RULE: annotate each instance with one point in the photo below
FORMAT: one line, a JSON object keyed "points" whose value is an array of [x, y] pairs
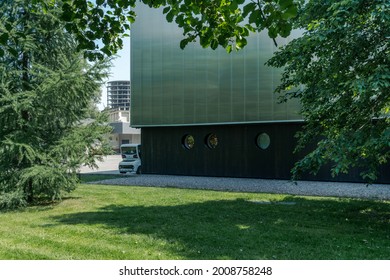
{"points": [[218, 123]]}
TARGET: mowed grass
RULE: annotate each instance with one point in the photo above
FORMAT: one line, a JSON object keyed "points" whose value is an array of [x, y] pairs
{"points": [[85, 178], [125, 222]]}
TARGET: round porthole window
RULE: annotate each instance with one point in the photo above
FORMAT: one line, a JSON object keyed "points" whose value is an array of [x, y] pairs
{"points": [[263, 141], [212, 141], [188, 141]]}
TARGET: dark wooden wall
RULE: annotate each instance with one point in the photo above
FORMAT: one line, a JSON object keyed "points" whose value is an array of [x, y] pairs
{"points": [[236, 155]]}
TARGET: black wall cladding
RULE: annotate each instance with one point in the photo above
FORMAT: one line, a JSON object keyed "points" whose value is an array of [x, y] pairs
{"points": [[236, 154]]}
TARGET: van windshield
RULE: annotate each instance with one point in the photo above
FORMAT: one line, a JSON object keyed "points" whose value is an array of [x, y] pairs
{"points": [[129, 152]]}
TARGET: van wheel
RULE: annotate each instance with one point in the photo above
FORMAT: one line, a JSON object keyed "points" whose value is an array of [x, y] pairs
{"points": [[139, 170]]}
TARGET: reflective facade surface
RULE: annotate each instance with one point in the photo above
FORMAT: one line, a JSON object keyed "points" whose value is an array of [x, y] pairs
{"points": [[171, 86]]}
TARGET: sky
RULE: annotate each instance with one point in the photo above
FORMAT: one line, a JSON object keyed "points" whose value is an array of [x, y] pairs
{"points": [[119, 71]]}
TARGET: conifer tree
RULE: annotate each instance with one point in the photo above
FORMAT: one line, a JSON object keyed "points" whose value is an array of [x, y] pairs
{"points": [[46, 87]]}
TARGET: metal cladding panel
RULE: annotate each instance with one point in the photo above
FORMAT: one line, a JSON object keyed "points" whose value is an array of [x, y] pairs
{"points": [[171, 86], [236, 155]]}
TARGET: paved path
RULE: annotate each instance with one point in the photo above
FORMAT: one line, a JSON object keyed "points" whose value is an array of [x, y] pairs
{"points": [[108, 166], [313, 188], [356, 190]]}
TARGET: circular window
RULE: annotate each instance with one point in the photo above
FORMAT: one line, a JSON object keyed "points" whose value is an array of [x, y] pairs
{"points": [[263, 141], [188, 141], [212, 141]]}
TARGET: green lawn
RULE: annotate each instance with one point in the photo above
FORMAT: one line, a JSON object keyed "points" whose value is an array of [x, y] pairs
{"points": [[85, 178], [123, 222]]}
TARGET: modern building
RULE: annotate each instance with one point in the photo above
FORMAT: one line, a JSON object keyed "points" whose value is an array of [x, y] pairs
{"points": [[118, 95], [122, 133], [210, 113]]}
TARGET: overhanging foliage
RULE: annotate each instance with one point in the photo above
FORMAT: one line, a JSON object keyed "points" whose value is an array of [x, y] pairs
{"points": [[340, 70]]}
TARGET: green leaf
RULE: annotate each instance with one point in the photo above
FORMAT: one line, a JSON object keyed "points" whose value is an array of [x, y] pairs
{"points": [[170, 16], [67, 13], [4, 38], [285, 30], [291, 12], [183, 43], [240, 43], [214, 44], [229, 49], [180, 20], [166, 9], [285, 4], [248, 9], [233, 5], [256, 18], [272, 32], [100, 12], [204, 41], [250, 28], [245, 32]]}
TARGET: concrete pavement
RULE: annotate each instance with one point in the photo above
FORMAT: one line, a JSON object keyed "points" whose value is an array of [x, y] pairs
{"points": [[108, 166]]}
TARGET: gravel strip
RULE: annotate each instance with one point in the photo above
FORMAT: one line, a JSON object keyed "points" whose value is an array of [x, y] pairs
{"points": [[313, 188]]}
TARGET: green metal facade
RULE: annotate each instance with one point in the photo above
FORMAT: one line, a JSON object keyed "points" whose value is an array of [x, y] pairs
{"points": [[198, 86]]}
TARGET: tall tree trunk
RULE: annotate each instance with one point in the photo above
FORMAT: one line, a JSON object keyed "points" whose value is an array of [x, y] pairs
{"points": [[29, 192], [25, 65]]}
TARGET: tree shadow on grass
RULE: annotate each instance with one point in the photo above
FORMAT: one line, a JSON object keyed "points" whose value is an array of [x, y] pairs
{"points": [[43, 204], [241, 229]]}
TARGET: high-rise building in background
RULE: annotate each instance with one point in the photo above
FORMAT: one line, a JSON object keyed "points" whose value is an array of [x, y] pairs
{"points": [[118, 95]]}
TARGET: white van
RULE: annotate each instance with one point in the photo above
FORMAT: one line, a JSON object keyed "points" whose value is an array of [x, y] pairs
{"points": [[131, 158]]}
